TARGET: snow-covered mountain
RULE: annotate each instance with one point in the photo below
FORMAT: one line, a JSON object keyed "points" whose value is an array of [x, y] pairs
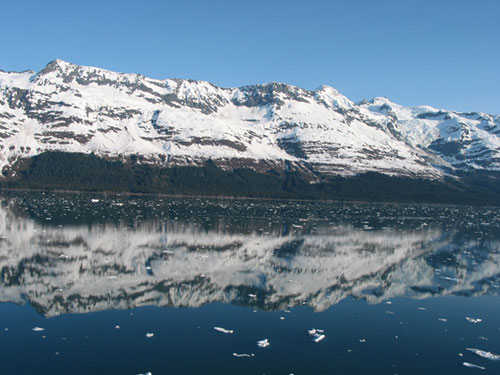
{"points": [[66, 107]]}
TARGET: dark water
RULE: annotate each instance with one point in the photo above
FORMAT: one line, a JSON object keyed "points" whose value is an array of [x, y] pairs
{"points": [[396, 289]]}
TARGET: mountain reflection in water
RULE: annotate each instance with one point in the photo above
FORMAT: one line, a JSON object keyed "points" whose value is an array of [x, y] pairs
{"points": [[75, 254]]}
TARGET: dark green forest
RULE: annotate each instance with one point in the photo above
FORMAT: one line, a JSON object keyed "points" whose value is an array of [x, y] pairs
{"points": [[84, 172]]}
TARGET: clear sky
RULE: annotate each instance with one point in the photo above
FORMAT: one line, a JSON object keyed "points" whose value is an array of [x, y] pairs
{"points": [[441, 53]]}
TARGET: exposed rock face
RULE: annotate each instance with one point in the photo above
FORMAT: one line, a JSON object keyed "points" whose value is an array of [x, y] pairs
{"points": [[66, 107]]}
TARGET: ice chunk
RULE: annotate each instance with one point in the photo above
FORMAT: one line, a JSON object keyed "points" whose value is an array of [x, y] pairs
{"points": [[484, 354], [117, 327], [147, 373], [263, 343], [149, 335], [94, 200], [472, 365], [243, 355], [472, 320], [421, 308], [318, 337], [316, 334], [223, 330], [449, 278], [442, 319], [38, 329]]}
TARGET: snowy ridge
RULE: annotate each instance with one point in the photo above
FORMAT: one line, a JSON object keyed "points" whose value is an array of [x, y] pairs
{"points": [[66, 107]]}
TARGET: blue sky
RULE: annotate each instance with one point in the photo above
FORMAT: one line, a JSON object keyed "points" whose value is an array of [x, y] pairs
{"points": [[441, 53]]}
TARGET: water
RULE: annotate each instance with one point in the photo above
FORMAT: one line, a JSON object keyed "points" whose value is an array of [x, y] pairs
{"points": [[130, 285]]}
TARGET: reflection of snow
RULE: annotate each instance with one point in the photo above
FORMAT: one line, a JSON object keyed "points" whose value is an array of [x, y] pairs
{"points": [[114, 266]]}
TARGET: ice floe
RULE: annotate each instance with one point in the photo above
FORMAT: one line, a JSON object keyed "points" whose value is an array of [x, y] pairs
{"points": [[263, 343], [149, 335], [316, 334], [38, 329], [473, 320], [485, 354], [242, 355], [223, 330], [472, 365]]}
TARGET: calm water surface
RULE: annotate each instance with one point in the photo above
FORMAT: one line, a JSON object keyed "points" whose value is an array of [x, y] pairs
{"points": [[131, 285]]}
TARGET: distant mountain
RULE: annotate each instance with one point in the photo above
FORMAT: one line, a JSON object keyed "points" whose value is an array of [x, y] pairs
{"points": [[275, 126]]}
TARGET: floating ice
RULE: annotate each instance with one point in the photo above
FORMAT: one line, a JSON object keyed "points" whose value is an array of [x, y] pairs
{"points": [[94, 200], [263, 343], [472, 320], [223, 330], [421, 308], [149, 335], [117, 327], [316, 334], [449, 278], [442, 319], [147, 373], [472, 365], [362, 340], [252, 295], [485, 354], [282, 318], [243, 355], [38, 329]]}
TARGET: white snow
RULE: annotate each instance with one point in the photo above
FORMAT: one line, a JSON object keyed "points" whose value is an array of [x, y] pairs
{"points": [[123, 114]]}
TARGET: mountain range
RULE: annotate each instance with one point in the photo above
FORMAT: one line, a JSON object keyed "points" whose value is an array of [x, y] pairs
{"points": [[274, 127]]}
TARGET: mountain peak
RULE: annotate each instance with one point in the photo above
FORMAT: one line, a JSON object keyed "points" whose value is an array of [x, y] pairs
{"points": [[56, 65], [333, 97]]}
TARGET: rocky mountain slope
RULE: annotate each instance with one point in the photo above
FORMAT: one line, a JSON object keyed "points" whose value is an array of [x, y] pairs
{"points": [[71, 108]]}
